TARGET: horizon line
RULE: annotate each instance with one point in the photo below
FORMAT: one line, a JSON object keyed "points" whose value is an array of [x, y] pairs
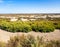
{"points": [[29, 13]]}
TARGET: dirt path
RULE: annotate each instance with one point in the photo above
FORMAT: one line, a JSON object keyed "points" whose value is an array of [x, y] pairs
{"points": [[5, 36]]}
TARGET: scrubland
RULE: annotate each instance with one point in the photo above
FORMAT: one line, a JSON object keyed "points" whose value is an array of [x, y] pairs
{"points": [[27, 38]]}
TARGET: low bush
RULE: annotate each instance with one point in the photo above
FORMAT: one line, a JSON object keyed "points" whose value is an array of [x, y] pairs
{"points": [[43, 26], [57, 25], [19, 26], [15, 26]]}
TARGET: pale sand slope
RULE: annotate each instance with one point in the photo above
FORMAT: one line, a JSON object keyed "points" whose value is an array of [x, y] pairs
{"points": [[5, 36]]}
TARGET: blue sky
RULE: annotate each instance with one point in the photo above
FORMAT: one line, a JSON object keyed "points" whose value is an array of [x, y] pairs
{"points": [[29, 6]]}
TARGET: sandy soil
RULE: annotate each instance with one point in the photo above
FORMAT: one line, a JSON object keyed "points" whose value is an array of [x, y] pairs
{"points": [[5, 36]]}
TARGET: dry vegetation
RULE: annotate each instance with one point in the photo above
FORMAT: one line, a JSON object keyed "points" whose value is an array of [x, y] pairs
{"points": [[30, 41]]}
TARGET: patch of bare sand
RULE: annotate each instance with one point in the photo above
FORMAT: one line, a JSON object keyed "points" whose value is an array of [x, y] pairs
{"points": [[5, 36], [47, 36]]}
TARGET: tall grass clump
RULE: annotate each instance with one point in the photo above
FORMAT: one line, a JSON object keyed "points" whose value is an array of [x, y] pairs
{"points": [[30, 41], [21, 41], [25, 41], [2, 44], [53, 43]]}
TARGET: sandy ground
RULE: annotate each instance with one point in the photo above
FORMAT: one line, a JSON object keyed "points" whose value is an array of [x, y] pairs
{"points": [[5, 36]]}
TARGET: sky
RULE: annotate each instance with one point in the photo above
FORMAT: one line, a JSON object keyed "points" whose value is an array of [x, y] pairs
{"points": [[29, 6]]}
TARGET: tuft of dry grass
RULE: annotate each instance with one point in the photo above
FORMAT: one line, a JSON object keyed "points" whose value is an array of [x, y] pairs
{"points": [[2, 44], [30, 41]]}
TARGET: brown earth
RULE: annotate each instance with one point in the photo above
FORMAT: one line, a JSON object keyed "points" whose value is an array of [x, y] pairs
{"points": [[5, 36]]}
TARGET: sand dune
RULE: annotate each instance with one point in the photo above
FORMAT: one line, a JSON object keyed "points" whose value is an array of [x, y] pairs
{"points": [[5, 36]]}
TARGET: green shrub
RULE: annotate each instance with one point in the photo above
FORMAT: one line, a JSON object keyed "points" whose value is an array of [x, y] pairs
{"points": [[57, 25], [15, 26], [4, 25], [34, 27], [43, 26], [26, 28], [19, 26]]}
